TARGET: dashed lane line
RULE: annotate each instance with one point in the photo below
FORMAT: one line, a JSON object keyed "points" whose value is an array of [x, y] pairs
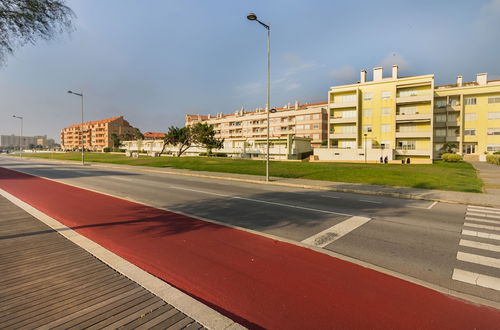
{"points": [[333, 233]]}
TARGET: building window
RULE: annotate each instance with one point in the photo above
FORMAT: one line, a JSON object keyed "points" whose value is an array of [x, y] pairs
{"points": [[316, 126], [470, 100], [316, 116], [407, 128], [349, 98], [386, 95], [349, 129], [493, 131], [367, 112], [349, 114], [470, 116], [299, 127], [438, 146], [440, 118], [300, 117], [316, 136], [307, 126], [385, 144], [408, 110], [385, 128], [452, 132], [441, 132], [348, 144], [441, 103], [367, 128], [407, 145], [493, 115], [307, 117], [367, 96], [494, 99], [407, 92], [493, 147], [470, 131], [386, 111]]}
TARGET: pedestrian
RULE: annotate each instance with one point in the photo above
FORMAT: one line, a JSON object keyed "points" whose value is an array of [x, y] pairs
{"points": [[402, 161], [381, 159], [386, 160], [407, 160]]}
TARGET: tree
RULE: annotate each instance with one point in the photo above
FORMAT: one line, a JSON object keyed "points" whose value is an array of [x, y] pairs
{"points": [[204, 135], [449, 147], [116, 140], [24, 21], [137, 134], [180, 137]]}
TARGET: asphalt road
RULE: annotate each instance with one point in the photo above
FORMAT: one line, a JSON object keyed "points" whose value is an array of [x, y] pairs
{"points": [[415, 238]]}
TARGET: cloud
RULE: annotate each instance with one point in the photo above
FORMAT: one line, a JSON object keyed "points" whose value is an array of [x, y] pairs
{"points": [[346, 73], [395, 58]]}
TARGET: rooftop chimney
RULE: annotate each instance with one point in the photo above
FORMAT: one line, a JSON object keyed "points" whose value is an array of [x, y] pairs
{"points": [[296, 105], [482, 78], [395, 71], [460, 81], [377, 73], [362, 79]]}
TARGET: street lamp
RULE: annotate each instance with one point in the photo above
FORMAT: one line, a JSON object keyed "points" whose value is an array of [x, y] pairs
{"points": [[21, 136], [253, 17], [365, 146], [81, 128]]}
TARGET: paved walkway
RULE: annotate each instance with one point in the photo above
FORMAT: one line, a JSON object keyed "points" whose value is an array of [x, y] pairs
{"points": [[490, 174], [49, 282]]}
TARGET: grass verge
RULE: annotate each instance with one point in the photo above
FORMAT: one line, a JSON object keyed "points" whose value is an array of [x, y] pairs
{"points": [[459, 176]]}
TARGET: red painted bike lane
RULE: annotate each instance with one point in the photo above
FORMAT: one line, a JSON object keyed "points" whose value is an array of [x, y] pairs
{"points": [[256, 281]]}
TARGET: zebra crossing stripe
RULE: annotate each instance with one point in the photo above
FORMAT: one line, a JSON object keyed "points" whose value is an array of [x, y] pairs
{"points": [[483, 220], [477, 259], [486, 215], [479, 245], [476, 279], [480, 234], [483, 209], [468, 224]]}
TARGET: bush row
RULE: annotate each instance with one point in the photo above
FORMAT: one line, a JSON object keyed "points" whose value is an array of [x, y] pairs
{"points": [[493, 159], [451, 158]]}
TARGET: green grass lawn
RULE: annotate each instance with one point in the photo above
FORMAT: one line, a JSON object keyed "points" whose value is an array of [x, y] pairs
{"points": [[440, 175]]}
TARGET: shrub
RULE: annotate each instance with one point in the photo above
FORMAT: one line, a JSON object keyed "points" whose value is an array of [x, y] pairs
{"points": [[220, 154], [107, 149], [496, 153], [493, 159], [451, 158], [203, 154]]}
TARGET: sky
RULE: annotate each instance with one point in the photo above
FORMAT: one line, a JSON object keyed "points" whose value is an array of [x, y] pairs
{"points": [[156, 61]]}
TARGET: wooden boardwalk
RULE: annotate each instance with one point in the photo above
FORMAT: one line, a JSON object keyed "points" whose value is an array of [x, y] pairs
{"points": [[48, 282]]}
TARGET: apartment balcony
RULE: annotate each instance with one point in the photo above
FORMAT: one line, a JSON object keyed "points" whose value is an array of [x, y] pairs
{"points": [[413, 152], [422, 117], [413, 134], [453, 138], [352, 104], [343, 135], [423, 98], [342, 120], [453, 123]]}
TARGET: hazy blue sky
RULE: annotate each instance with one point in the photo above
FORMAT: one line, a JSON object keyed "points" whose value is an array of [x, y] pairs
{"points": [[155, 61]]}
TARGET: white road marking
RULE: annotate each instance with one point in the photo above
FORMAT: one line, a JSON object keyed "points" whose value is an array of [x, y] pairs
{"points": [[432, 205], [479, 245], [480, 234], [326, 196], [121, 178], [468, 224], [483, 220], [477, 259], [333, 233], [476, 279], [367, 201], [486, 215], [483, 209], [262, 201]]}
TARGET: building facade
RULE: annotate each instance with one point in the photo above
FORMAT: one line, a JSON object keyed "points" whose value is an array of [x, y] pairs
{"points": [[13, 141], [410, 118], [300, 120], [94, 135]]}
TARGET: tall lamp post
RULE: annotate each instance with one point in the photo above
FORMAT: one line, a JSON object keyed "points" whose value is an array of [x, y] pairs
{"points": [[21, 136], [365, 145], [81, 128], [253, 17]]}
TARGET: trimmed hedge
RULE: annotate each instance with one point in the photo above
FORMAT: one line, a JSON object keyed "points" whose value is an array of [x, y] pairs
{"points": [[493, 159], [451, 158]]}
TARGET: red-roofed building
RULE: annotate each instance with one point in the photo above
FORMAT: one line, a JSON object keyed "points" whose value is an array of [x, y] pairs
{"points": [[96, 134], [153, 136]]}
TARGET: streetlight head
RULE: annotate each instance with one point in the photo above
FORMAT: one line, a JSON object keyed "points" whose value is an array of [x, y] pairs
{"points": [[252, 17], [70, 92]]}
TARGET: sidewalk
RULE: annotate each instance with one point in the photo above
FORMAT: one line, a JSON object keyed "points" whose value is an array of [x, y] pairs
{"points": [[49, 282], [490, 174]]}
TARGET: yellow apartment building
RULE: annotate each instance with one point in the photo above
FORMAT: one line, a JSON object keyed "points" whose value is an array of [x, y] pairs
{"points": [[385, 117], [467, 115]]}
